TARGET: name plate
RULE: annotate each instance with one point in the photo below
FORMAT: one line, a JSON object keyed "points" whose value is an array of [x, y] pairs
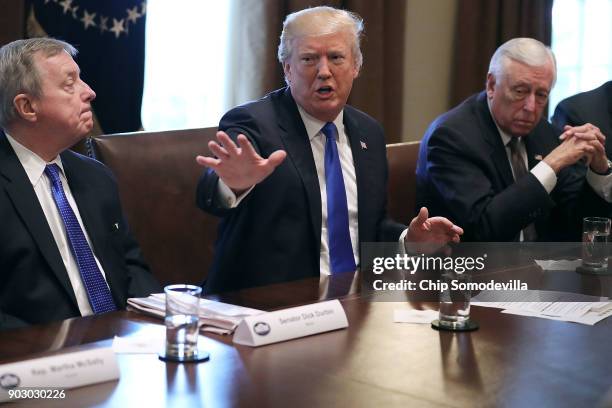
{"points": [[62, 371], [290, 323]]}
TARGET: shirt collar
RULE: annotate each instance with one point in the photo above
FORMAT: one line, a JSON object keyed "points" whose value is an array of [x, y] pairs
{"points": [[32, 163], [313, 125]]}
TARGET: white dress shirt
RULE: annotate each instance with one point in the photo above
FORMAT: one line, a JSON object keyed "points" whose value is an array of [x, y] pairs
{"points": [[317, 143], [34, 167]]}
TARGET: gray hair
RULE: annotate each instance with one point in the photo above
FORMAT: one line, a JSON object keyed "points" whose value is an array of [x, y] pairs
{"points": [[320, 21], [18, 73], [525, 50]]}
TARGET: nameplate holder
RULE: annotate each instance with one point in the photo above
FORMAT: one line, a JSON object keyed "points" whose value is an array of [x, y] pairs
{"points": [[293, 323], [63, 371]]}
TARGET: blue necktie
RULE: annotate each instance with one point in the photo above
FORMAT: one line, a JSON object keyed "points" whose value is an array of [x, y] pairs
{"points": [[341, 256], [99, 295]]}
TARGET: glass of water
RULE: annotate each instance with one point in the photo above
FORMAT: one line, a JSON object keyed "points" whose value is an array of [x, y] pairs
{"points": [[182, 317], [454, 312], [595, 236]]}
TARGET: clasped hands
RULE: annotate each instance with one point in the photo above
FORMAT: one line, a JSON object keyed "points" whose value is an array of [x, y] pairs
{"points": [[585, 141]]}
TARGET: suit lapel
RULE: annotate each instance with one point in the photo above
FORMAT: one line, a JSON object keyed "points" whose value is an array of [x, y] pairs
{"points": [[355, 138], [295, 139], [536, 150], [497, 150], [21, 193]]}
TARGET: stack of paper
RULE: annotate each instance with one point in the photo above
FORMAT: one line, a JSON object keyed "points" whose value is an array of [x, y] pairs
{"points": [[569, 307], [216, 317]]}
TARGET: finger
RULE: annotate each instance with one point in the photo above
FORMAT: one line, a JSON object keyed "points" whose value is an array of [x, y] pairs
{"points": [[247, 147], [421, 218], [208, 161], [218, 150], [567, 134], [276, 158], [228, 144]]}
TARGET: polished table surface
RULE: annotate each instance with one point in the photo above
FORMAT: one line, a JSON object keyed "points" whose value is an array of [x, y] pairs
{"points": [[511, 361]]}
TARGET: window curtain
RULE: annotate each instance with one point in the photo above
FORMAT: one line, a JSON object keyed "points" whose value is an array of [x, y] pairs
{"points": [[255, 70], [482, 26]]}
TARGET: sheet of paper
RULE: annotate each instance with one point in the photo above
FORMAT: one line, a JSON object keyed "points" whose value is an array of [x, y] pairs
{"points": [[414, 316], [590, 318], [559, 265], [138, 344], [569, 307]]}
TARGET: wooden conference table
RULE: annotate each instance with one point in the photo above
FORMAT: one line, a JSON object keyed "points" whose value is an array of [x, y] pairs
{"points": [[510, 361]]}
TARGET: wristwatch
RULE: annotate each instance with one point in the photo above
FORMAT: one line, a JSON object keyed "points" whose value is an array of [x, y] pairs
{"points": [[608, 170]]}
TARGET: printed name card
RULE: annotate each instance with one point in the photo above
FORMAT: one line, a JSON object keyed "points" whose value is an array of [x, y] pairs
{"points": [[61, 371], [291, 323]]}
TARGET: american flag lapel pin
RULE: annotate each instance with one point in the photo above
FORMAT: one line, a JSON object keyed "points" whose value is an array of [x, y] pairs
{"points": [[364, 146]]}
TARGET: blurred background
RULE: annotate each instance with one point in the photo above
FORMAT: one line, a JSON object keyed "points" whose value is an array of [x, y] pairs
{"points": [[161, 65]]}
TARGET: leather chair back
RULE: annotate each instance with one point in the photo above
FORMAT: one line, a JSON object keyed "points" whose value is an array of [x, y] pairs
{"points": [[157, 176]]}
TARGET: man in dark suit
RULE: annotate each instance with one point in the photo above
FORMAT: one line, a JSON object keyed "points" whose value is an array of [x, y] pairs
{"points": [[474, 160], [594, 106], [303, 211], [66, 248]]}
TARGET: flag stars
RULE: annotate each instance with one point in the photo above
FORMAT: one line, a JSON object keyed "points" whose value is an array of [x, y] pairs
{"points": [[67, 5], [133, 15], [103, 24], [88, 19], [118, 27]]}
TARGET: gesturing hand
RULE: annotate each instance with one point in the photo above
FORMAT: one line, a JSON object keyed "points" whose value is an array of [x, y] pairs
{"points": [[239, 166], [428, 234]]}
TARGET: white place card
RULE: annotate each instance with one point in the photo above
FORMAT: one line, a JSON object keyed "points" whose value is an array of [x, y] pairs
{"points": [[61, 371], [291, 323]]}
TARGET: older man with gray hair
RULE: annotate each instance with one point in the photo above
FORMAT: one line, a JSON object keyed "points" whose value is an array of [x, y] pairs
{"points": [[299, 177], [495, 166], [66, 248]]}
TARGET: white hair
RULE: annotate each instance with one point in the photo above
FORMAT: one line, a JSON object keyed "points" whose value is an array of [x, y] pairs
{"points": [[524, 50], [320, 21]]}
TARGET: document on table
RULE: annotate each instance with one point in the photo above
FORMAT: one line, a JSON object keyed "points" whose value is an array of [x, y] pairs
{"points": [[570, 307], [215, 317], [559, 265], [414, 316]]}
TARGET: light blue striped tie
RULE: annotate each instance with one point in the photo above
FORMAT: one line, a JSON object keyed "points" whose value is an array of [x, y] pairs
{"points": [[98, 292]]}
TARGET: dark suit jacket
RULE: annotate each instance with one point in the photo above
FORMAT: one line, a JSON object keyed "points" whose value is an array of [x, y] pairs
{"points": [[274, 234], [463, 173], [34, 284], [593, 107]]}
